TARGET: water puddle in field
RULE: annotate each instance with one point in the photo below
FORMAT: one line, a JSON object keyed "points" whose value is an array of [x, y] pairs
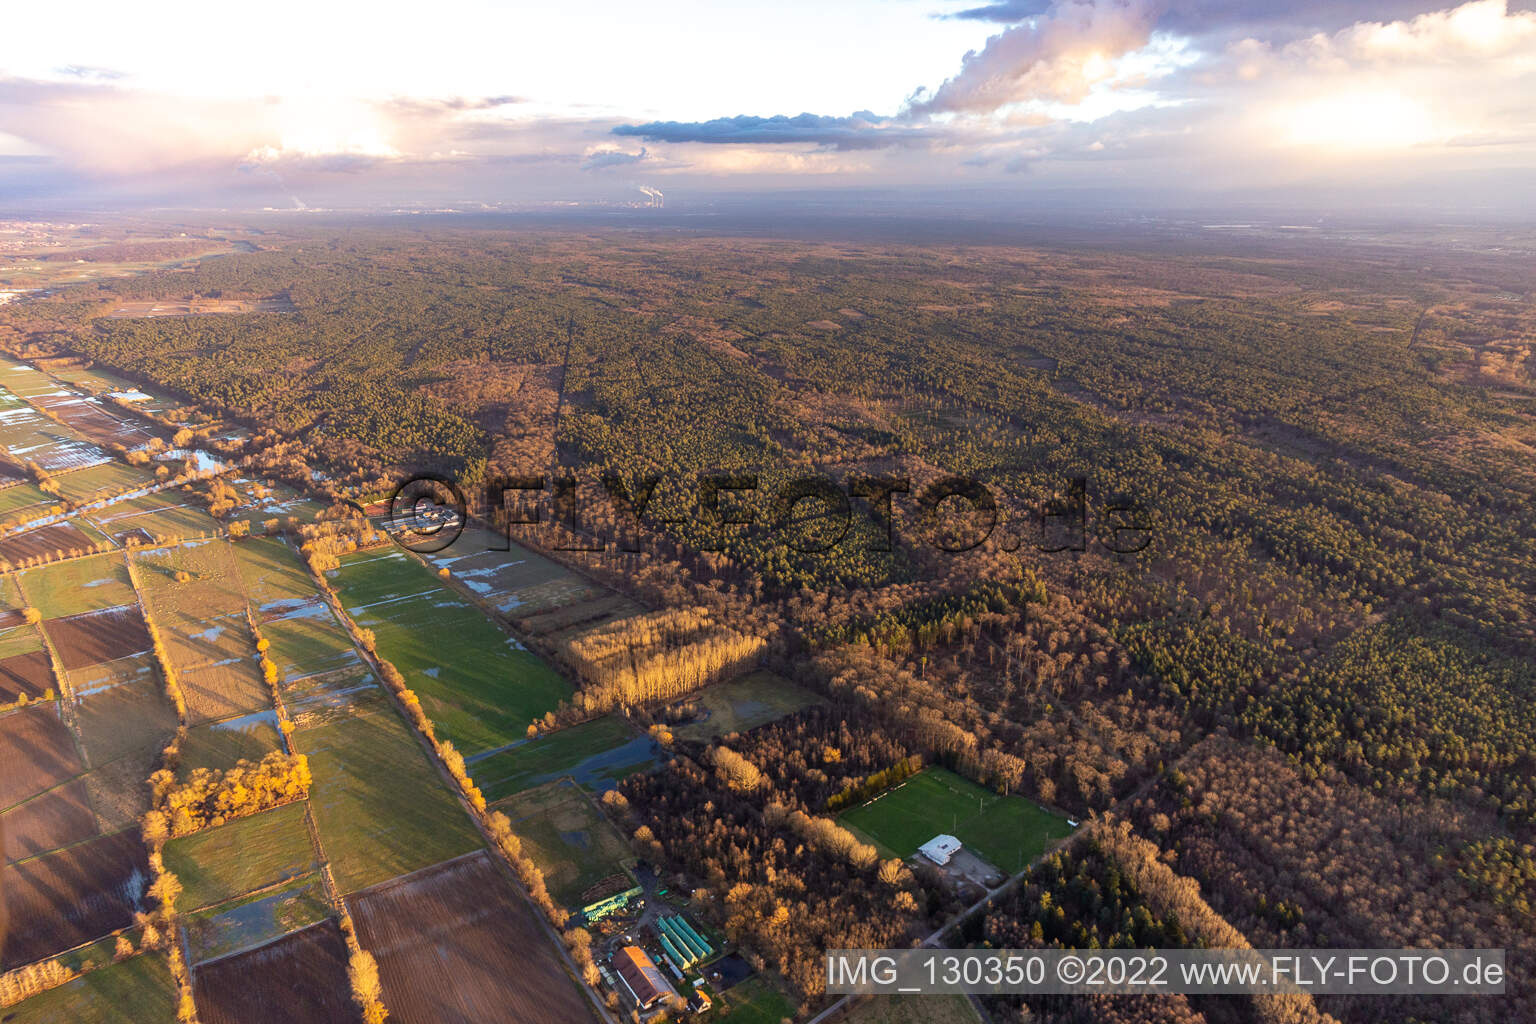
{"points": [[246, 722], [304, 610], [195, 459], [280, 608], [255, 923], [598, 772]]}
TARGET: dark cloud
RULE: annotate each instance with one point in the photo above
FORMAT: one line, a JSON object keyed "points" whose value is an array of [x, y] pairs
{"points": [[605, 158], [863, 130], [1005, 12], [1279, 22]]}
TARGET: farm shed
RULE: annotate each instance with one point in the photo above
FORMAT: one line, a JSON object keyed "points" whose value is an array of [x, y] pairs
{"points": [[641, 976]]}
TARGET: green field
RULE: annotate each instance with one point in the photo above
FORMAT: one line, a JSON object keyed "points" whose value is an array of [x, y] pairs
{"points": [[19, 640], [17, 498], [162, 514], [319, 700], [274, 577], [221, 744], [245, 855], [481, 690], [1007, 831], [255, 920], [508, 577], [746, 703], [108, 478], [213, 586], [381, 807], [134, 991], [570, 841], [309, 641], [79, 585], [754, 1001], [596, 753], [305, 636]]}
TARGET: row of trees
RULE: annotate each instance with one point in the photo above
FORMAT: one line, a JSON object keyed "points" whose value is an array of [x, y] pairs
{"points": [[1111, 889], [875, 784], [1298, 857], [654, 657]]}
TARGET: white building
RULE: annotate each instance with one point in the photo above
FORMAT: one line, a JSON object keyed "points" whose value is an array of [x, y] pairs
{"points": [[939, 849]]}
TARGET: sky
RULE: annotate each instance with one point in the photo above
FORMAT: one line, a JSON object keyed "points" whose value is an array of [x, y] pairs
{"points": [[462, 102]]}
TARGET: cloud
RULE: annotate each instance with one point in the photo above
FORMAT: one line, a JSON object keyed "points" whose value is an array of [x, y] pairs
{"points": [[86, 71], [419, 106], [605, 157], [1483, 30], [1071, 92], [1225, 18], [103, 129], [1058, 56], [1280, 21], [1427, 83], [1007, 11], [863, 130]]}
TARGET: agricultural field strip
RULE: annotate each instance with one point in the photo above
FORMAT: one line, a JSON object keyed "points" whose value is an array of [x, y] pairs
{"points": [[318, 847], [65, 702], [69, 781], [40, 428], [97, 504], [189, 512], [140, 598], [485, 698], [34, 858], [293, 888], [72, 723], [81, 514], [551, 937], [301, 586], [305, 582], [70, 393], [482, 600]]}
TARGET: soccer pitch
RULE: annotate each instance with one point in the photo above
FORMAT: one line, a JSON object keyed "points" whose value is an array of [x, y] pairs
{"points": [[1008, 831]]}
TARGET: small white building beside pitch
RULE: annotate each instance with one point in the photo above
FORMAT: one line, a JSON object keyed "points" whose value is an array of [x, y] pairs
{"points": [[939, 849]]}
